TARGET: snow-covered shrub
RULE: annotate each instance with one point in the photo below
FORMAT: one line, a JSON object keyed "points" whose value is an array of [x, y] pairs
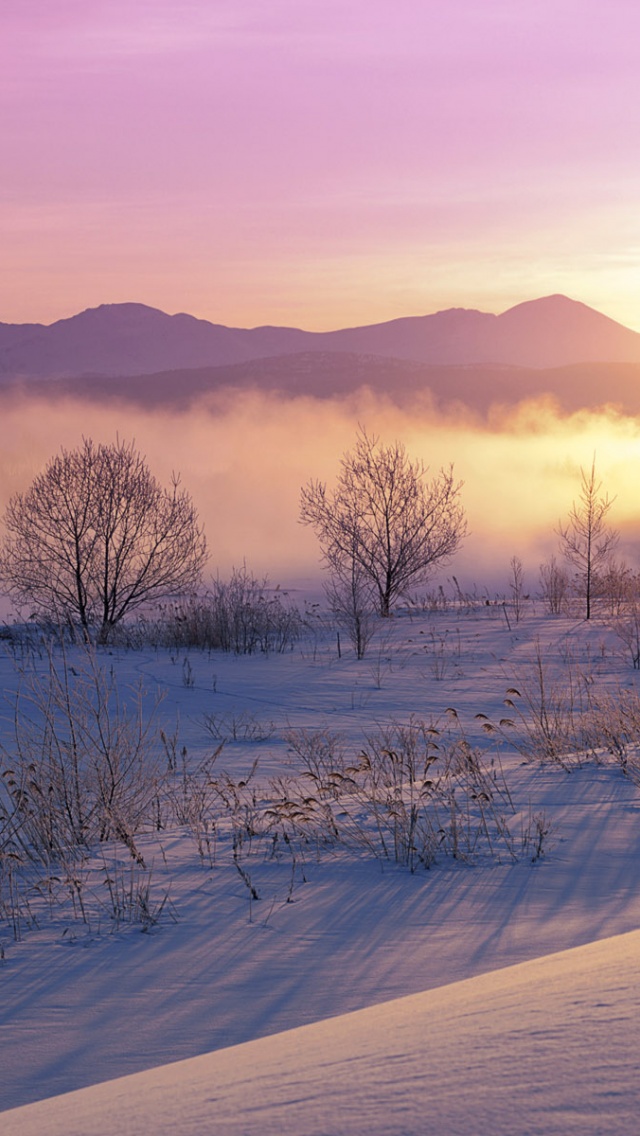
{"points": [[554, 586], [613, 727], [83, 771], [626, 626], [548, 712], [411, 793], [565, 719], [240, 615]]}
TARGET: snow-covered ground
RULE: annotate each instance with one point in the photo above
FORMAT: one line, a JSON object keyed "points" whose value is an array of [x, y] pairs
{"points": [[548, 1046], [482, 1038]]}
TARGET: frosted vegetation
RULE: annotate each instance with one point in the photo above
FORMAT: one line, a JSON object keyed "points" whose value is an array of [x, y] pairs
{"points": [[303, 754]]}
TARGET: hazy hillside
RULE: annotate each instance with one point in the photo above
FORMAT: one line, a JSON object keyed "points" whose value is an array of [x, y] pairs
{"points": [[132, 339], [334, 374]]}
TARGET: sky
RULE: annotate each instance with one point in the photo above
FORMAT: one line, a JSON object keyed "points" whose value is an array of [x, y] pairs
{"points": [[318, 164]]}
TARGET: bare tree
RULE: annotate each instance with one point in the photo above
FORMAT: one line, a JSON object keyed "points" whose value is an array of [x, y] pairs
{"points": [[385, 519], [352, 600], [516, 584], [617, 587], [554, 583], [95, 536], [586, 540], [627, 628]]}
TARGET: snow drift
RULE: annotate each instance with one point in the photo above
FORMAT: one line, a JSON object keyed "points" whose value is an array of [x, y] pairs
{"points": [[547, 1046]]}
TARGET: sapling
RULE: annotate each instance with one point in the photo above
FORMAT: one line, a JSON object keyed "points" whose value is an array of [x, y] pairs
{"points": [[586, 540], [554, 586], [627, 628], [516, 585]]}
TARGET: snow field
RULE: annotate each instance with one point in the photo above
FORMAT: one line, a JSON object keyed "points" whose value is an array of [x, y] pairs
{"points": [[337, 931]]}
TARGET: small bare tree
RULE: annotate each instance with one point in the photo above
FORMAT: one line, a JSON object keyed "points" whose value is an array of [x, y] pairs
{"points": [[617, 587], [623, 595], [627, 628], [96, 536], [352, 600], [384, 519], [586, 540], [554, 584], [516, 584]]}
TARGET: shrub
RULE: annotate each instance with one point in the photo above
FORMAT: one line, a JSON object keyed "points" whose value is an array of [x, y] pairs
{"points": [[239, 615]]}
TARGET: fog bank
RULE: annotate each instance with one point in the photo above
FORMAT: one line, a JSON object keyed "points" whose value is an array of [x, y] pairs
{"points": [[244, 457]]}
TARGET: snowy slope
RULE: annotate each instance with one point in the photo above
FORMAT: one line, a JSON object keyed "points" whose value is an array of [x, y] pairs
{"points": [[548, 1046]]}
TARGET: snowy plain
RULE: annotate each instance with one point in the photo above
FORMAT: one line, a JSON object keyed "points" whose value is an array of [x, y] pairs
{"points": [[516, 978]]}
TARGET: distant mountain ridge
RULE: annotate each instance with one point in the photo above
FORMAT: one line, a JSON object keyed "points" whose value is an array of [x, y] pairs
{"points": [[133, 339], [337, 374]]}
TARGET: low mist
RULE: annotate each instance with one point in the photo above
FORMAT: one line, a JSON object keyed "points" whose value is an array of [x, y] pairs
{"points": [[243, 458]]}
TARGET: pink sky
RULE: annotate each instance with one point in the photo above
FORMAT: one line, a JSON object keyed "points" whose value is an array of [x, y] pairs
{"points": [[318, 163]]}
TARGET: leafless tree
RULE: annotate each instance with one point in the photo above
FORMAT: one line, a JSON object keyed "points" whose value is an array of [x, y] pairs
{"points": [[621, 591], [554, 584], [586, 540], [618, 587], [385, 519], [352, 600], [96, 536], [516, 584], [627, 627]]}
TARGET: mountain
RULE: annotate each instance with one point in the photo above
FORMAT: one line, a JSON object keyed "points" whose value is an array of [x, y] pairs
{"points": [[123, 339], [132, 339], [549, 332]]}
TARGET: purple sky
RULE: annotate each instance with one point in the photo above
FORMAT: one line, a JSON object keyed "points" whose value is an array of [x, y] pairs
{"points": [[318, 162]]}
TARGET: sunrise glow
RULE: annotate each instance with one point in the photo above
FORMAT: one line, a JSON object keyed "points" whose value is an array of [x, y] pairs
{"points": [[318, 165]]}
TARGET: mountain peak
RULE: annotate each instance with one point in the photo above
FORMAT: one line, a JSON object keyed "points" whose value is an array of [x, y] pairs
{"points": [[113, 312]]}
